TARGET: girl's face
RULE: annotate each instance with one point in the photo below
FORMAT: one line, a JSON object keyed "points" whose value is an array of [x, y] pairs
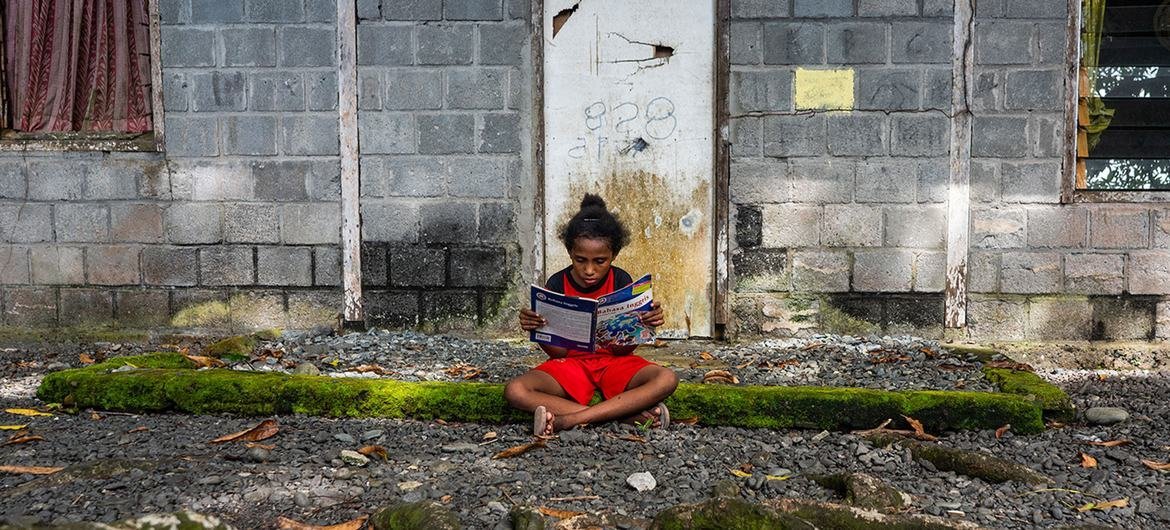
{"points": [[591, 261]]}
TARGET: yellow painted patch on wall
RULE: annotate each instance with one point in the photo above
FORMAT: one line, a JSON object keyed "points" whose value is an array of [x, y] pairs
{"points": [[824, 89]]}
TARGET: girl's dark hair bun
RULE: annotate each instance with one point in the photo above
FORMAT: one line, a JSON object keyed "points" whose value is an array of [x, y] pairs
{"points": [[592, 200], [595, 221]]}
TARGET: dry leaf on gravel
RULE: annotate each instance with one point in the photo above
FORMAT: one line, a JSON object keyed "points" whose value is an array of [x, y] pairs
{"points": [[140, 428], [490, 435], [368, 368], [706, 356], [631, 438], [375, 450], [95, 416], [1000, 431], [22, 438], [284, 523], [919, 432], [85, 358], [27, 412], [1110, 443], [13, 427], [740, 473], [519, 450], [720, 377], [264, 430], [205, 362], [693, 420], [1010, 365], [1087, 461], [1157, 466], [1103, 506], [31, 470], [559, 514]]}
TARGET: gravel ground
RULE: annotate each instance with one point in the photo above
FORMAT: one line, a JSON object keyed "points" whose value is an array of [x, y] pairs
{"points": [[303, 478]]}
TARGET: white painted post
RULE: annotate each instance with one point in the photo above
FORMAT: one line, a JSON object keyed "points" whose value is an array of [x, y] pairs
{"points": [[959, 189], [351, 235]]}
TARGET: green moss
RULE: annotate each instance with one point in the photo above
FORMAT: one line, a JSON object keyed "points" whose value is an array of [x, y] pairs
{"points": [[236, 346], [1054, 401], [422, 515], [824, 515], [724, 513], [210, 314], [77, 334], [983, 353]]}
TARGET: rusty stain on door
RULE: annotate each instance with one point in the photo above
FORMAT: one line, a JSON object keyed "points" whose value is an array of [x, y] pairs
{"points": [[629, 113]]}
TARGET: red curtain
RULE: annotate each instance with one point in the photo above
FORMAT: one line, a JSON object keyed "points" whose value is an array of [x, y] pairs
{"points": [[77, 65]]}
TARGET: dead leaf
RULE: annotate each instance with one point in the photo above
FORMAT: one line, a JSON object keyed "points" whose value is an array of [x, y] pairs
{"points": [[205, 362], [490, 435], [746, 467], [27, 412], [85, 358], [559, 514], [13, 427], [140, 428], [812, 345], [284, 523], [1103, 506], [519, 450], [890, 359], [446, 499], [706, 356], [632, 438], [1088, 461], [1157, 466], [368, 368], [31, 470], [947, 367], [1110, 443], [266, 447], [917, 433], [264, 430], [720, 377], [1000, 431], [375, 450], [94, 416], [1010, 365], [740, 473], [659, 344], [930, 354], [19, 438], [917, 426], [693, 420]]}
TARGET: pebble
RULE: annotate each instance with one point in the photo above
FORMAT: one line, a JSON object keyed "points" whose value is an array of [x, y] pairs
{"points": [[461, 447], [372, 435], [642, 481], [258, 454], [1106, 415], [307, 368], [354, 458], [344, 438]]}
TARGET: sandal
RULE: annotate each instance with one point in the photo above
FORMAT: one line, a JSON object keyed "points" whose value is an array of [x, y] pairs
{"points": [[663, 415], [539, 420]]}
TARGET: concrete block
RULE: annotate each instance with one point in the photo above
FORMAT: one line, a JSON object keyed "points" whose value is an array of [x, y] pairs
{"points": [[445, 44], [420, 267], [883, 270], [1046, 135], [852, 225], [760, 270], [1161, 228], [1036, 9], [481, 177], [999, 136], [53, 181], [369, 10], [857, 134], [327, 266], [311, 224], [998, 228], [249, 46], [321, 10], [280, 181], [113, 265], [250, 135], [761, 181], [386, 133], [170, 266], [218, 91], [375, 271], [186, 47], [922, 42], [172, 11], [276, 91], [822, 8], [791, 225], [1051, 43], [984, 180], [519, 9], [920, 135], [820, 271], [251, 223], [136, 222], [930, 272], [1003, 42], [747, 45], [1031, 273], [479, 88], [885, 90], [987, 92], [26, 223], [113, 180], [497, 222], [1094, 273], [31, 307], [500, 133], [933, 179], [1110, 227], [1123, 319], [1057, 227], [413, 89], [193, 223], [1034, 90], [384, 45], [187, 136], [749, 225], [211, 181], [502, 43], [307, 46], [856, 43], [822, 180], [13, 181], [324, 180], [310, 135], [404, 177], [275, 11], [472, 10], [478, 267], [887, 8], [393, 309], [86, 306], [886, 181], [413, 10], [937, 89], [284, 266], [84, 222], [1059, 319], [14, 265], [1149, 272], [746, 137], [253, 310], [449, 222], [786, 136], [983, 272], [917, 226], [1033, 182], [769, 90], [52, 265], [442, 134], [216, 12], [1162, 326], [759, 9], [391, 222], [450, 309], [322, 90], [226, 265], [991, 319], [796, 43]]}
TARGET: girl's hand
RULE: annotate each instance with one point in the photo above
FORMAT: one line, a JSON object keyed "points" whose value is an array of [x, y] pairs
{"points": [[654, 316], [530, 320]]}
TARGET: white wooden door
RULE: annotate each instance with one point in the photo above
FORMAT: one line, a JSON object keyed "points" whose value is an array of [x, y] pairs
{"points": [[629, 113]]}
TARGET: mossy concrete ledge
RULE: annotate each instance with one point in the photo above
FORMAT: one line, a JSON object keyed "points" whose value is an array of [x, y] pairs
{"points": [[1054, 401], [169, 382]]}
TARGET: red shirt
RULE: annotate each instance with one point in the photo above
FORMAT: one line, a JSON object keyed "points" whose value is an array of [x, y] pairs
{"points": [[562, 282]]}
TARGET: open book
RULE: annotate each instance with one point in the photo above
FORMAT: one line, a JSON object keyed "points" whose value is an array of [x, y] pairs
{"points": [[587, 324]]}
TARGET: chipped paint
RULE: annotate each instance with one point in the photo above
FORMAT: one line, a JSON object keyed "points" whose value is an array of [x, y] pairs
{"points": [[818, 89]]}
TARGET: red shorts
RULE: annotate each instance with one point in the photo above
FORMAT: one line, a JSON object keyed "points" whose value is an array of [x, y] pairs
{"points": [[580, 376]]}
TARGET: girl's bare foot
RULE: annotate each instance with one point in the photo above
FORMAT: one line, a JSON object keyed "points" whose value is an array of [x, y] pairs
{"points": [[652, 414]]}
